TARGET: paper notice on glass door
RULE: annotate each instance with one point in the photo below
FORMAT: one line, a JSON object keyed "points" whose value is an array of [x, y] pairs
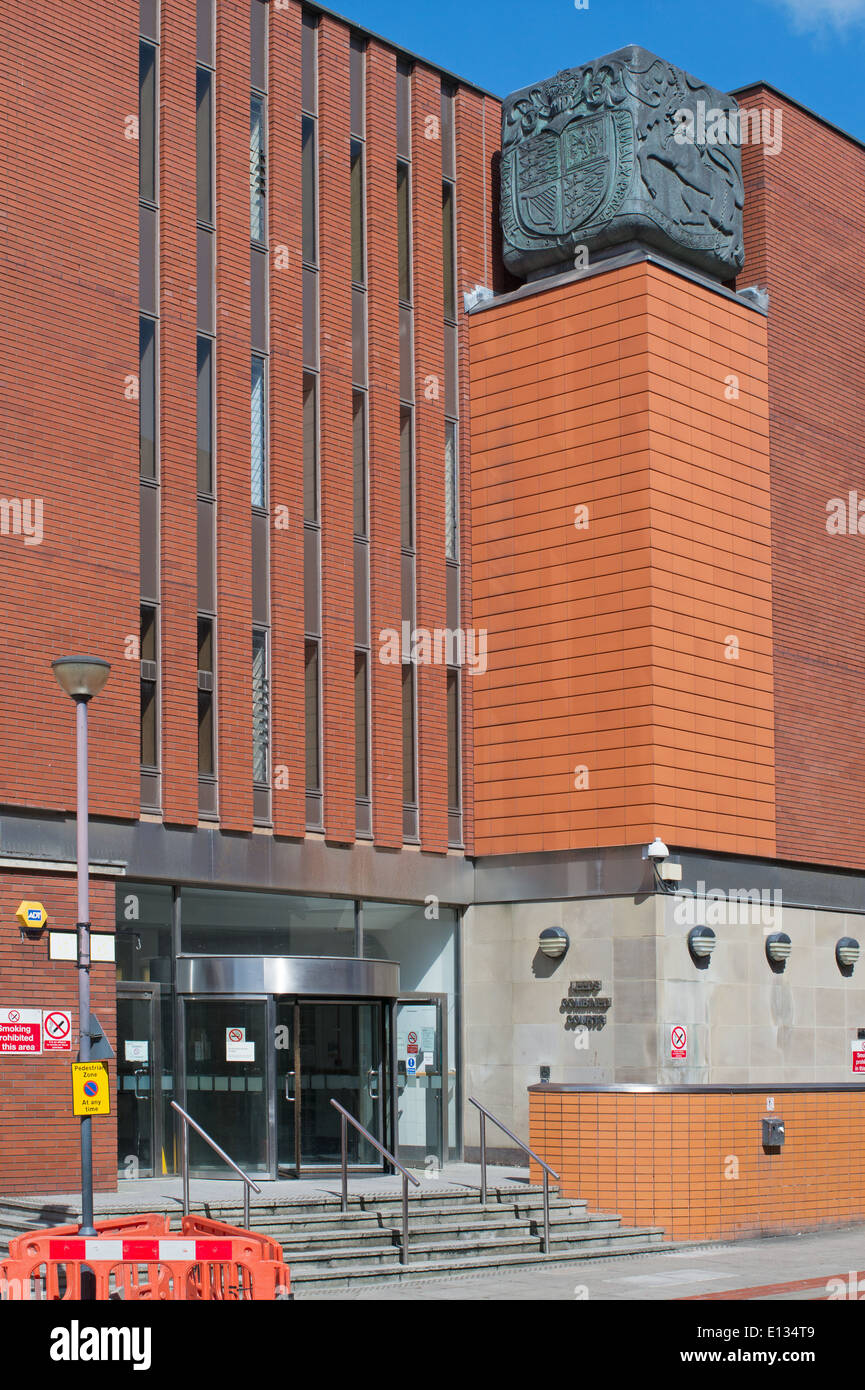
{"points": [[237, 1049]]}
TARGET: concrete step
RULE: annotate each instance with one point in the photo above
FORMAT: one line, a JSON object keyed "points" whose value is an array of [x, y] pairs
{"points": [[310, 1281]]}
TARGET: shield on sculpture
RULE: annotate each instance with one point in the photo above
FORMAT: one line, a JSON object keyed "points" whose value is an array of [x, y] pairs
{"points": [[563, 176]]}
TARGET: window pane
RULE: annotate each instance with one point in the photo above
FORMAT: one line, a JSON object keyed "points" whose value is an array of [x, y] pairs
{"points": [[358, 337], [259, 434], [257, 170], [403, 224], [356, 69], [204, 12], [408, 771], [258, 296], [310, 318], [148, 18], [147, 652], [403, 109], [205, 280], [148, 634], [308, 189], [361, 593], [147, 122], [258, 44], [148, 724], [205, 699], [313, 773], [406, 354], [203, 145], [147, 398], [453, 697], [358, 271], [361, 726], [205, 733], [260, 707], [448, 267], [148, 301], [308, 60], [447, 134], [204, 412], [312, 581], [406, 479], [310, 447], [451, 495], [359, 461]]}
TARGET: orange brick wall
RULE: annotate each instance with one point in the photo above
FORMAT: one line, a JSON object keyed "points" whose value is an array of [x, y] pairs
{"points": [[695, 1164], [607, 644]]}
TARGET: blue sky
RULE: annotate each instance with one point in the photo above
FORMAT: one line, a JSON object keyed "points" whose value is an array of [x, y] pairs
{"points": [[811, 49]]}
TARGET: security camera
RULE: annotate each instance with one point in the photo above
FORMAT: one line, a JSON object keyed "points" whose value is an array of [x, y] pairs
{"points": [[657, 850]]}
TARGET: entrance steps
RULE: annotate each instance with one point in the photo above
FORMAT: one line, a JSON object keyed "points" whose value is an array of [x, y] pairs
{"points": [[450, 1232]]}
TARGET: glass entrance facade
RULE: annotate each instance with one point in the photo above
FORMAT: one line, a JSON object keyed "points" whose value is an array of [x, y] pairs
{"points": [[258, 1067]]}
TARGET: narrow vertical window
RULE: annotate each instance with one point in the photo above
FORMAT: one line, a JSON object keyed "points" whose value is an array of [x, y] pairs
{"points": [[448, 266], [409, 788], [311, 688], [361, 726], [358, 252], [403, 231], [147, 122], [257, 169], [147, 397], [258, 44], [204, 145], [206, 762], [406, 478], [451, 495], [308, 190], [260, 708], [310, 447], [259, 432], [204, 416], [359, 461], [149, 677], [453, 723]]}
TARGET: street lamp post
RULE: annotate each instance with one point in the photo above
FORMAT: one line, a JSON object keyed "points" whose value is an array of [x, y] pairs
{"points": [[82, 677]]}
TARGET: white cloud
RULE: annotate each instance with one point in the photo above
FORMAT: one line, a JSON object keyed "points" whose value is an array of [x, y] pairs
{"points": [[821, 14]]}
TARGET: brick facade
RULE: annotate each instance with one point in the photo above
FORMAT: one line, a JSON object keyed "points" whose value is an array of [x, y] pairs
{"points": [[40, 1137], [812, 266]]}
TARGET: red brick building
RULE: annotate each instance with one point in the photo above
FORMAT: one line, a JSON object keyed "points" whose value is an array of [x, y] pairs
{"points": [[319, 518]]}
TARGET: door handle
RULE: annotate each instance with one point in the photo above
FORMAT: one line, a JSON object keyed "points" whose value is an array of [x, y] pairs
{"points": [[288, 1077], [372, 1075]]}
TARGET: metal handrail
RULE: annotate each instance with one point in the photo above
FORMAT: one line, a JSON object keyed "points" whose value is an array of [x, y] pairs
{"points": [[184, 1162], [385, 1153], [548, 1171]]}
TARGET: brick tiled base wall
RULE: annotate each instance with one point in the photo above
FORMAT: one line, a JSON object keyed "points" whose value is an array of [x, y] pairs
{"points": [[694, 1163]]}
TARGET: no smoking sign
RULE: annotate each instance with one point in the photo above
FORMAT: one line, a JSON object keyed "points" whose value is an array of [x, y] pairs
{"points": [[56, 1030], [678, 1042]]}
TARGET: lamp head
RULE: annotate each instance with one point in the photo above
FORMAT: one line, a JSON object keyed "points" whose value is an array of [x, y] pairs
{"points": [[81, 677]]}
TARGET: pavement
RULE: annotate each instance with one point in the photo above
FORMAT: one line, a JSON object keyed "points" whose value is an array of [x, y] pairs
{"points": [[719, 1269]]}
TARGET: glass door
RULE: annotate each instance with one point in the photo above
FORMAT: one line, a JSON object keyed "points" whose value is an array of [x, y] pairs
{"points": [[227, 1082], [421, 1070], [329, 1050], [139, 1072]]}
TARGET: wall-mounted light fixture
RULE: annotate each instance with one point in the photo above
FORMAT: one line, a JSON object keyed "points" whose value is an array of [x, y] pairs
{"points": [[701, 943], [846, 954], [778, 948], [554, 941]]}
